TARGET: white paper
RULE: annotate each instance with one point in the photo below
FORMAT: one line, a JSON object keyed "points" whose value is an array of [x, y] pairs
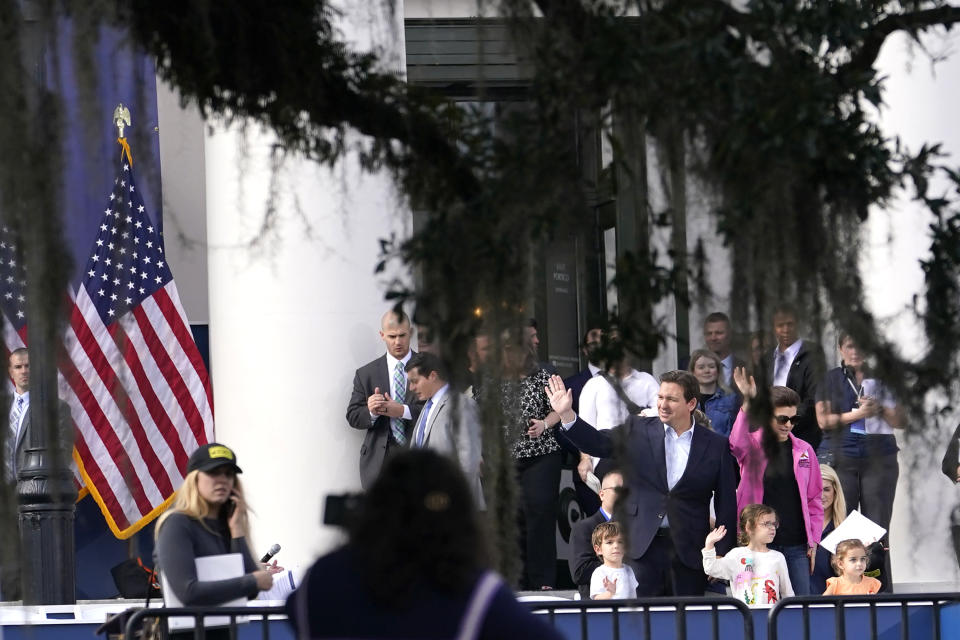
{"points": [[593, 482], [219, 567], [283, 586], [856, 526]]}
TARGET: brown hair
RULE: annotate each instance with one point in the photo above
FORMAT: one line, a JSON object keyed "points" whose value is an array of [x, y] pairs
{"points": [[686, 380], [784, 397], [604, 531], [748, 520], [842, 549]]}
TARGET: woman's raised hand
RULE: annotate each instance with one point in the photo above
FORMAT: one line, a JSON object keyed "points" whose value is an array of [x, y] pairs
{"points": [[746, 384]]}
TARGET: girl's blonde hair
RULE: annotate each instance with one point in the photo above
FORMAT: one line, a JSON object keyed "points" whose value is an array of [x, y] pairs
{"points": [[748, 520], [709, 355], [839, 508], [842, 549], [188, 501]]}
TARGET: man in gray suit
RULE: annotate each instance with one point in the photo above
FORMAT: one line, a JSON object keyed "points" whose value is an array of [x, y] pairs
{"points": [[19, 370], [381, 403], [448, 422]]}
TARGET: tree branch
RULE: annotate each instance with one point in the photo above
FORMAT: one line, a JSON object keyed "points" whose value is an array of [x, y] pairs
{"points": [[912, 22]]}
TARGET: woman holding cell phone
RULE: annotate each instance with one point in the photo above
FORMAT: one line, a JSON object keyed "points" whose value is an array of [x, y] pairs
{"points": [[208, 518]]}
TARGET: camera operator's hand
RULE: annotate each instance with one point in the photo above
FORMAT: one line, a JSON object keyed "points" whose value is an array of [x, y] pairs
{"points": [[264, 580]]}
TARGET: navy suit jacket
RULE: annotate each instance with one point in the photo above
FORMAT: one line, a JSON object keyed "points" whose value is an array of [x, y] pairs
{"points": [[638, 449], [575, 383]]}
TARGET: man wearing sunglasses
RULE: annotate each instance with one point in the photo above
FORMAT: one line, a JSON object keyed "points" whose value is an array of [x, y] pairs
{"points": [[780, 470]]}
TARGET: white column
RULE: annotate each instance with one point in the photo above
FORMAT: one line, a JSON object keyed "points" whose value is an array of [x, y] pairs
{"points": [[920, 107], [294, 310]]}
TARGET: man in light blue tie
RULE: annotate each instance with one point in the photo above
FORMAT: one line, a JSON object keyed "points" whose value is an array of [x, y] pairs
{"points": [[19, 370], [449, 420], [381, 404]]}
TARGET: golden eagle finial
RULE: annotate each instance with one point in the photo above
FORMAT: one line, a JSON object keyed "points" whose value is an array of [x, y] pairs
{"points": [[121, 118]]}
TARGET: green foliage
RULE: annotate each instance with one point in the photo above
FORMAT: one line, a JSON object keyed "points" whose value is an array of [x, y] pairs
{"points": [[767, 103], [770, 106]]}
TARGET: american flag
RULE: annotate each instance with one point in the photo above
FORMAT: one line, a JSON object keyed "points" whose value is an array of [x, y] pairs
{"points": [[138, 390]]}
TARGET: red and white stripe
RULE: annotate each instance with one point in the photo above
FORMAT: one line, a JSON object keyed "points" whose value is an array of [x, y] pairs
{"points": [[141, 401]]}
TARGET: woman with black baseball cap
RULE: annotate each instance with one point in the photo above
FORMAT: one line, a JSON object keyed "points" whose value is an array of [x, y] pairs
{"points": [[208, 517]]}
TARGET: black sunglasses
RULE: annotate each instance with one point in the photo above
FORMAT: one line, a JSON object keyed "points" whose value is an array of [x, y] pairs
{"points": [[781, 420]]}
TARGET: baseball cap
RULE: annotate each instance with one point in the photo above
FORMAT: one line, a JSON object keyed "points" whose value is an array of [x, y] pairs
{"points": [[212, 455]]}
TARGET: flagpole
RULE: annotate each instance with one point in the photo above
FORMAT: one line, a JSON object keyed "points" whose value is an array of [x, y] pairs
{"points": [[45, 489]]}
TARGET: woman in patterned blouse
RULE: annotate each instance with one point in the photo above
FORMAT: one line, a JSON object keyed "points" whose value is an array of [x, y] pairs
{"points": [[529, 423]]}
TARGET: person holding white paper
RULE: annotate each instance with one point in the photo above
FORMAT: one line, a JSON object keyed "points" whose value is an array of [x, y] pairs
{"points": [[208, 518]]}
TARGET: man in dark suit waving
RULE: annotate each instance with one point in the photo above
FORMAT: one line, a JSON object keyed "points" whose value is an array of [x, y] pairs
{"points": [[381, 402], [671, 469]]}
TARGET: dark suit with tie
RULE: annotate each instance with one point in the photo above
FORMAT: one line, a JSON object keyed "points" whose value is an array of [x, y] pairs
{"points": [[805, 373], [378, 439], [667, 559], [19, 450]]}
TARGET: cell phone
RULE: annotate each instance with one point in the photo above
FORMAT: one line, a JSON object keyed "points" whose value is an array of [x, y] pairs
{"points": [[229, 508]]}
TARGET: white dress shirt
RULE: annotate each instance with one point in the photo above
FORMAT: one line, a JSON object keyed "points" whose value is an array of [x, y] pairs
{"points": [[677, 450], [780, 377], [13, 403], [16, 426], [391, 367]]}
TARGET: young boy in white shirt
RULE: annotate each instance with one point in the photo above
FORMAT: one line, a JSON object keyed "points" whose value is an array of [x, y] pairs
{"points": [[612, 579]]}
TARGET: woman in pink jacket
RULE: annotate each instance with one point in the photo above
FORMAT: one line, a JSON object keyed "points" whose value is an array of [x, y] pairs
{"points": [[780, 470]]}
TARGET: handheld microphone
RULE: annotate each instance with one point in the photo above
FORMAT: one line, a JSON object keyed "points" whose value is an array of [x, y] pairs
{"points": [[274, 550]]}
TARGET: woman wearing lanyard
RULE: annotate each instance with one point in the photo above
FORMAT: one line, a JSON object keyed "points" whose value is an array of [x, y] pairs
{"points": [[858, 415]]}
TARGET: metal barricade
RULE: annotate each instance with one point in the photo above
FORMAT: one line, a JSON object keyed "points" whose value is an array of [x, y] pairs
{"points": [[136, 621], [841, 605], [682, 607]]}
